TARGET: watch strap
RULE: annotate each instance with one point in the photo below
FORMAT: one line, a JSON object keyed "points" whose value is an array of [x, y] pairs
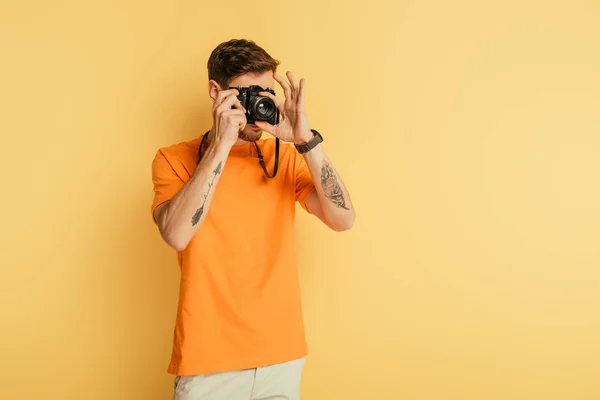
{"points": [[311, 144]]}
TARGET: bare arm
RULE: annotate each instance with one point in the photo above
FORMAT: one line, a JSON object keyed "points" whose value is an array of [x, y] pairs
{"points": [[179, 219], [330, 202]]}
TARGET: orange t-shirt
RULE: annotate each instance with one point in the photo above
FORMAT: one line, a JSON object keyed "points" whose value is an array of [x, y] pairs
{"points": [[239, 300]]}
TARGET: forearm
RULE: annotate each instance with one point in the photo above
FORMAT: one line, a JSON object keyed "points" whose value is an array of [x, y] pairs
{"points": [[187, 210], [332, 193]]}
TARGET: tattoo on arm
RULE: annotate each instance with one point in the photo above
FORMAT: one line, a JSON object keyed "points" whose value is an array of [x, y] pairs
{"points": [[331, 187], [200, 211]]}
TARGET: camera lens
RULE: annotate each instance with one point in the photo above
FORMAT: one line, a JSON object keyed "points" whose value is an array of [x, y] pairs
{"points": [[263, 108]]}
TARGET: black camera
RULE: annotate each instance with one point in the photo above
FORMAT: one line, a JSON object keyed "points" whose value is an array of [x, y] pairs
{"points": [[258, 108]]}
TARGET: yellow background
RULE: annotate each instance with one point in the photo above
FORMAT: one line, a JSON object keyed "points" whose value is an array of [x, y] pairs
{"points": [[468, 133]]}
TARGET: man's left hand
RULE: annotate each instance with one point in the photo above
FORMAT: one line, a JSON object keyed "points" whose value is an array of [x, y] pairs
{"points": [[294, 125]]}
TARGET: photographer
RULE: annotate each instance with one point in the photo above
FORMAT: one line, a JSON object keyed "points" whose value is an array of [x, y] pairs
{"points": [[225, 202]]}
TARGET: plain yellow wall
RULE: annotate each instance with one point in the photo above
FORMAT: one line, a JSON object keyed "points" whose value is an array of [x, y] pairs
{"points": [[467, 131]]}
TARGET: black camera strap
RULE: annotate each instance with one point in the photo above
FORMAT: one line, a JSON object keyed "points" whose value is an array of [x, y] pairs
{"points": [[261, 159]]}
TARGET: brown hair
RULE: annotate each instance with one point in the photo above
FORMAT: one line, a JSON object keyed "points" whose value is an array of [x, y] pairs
{"points": [[237, 57]]}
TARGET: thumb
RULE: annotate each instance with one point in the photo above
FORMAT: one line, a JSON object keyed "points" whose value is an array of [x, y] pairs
{"points": [[265, 126]]}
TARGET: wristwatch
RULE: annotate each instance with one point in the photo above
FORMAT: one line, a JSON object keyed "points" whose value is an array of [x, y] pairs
{"points": [[311, 144]]}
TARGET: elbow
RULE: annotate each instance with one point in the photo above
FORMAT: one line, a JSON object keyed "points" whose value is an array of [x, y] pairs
{"points": [[177, 243], [344, 224], [169, 230], [174, 240]]}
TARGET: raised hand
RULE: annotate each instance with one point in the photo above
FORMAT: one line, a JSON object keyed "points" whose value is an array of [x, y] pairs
{"points": [[294, 124], [229, 116]]}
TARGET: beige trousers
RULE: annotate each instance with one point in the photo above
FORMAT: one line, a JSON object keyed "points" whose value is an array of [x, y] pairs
{"points": [[274, 382]]}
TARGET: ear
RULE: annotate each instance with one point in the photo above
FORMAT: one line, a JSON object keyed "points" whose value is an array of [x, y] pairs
{"points": [[213, 89]]}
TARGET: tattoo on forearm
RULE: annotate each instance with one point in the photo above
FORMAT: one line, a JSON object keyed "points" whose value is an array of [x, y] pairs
{"points": [[331, 187], [200, 211]]}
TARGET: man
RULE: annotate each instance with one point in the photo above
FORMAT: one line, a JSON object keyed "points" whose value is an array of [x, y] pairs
{"points": [[239, 330]]}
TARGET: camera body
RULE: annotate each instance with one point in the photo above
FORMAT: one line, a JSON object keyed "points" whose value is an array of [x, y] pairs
{"points": [[258, 108]]}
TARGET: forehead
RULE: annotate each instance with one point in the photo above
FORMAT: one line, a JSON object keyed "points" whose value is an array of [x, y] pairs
{"points": [[264, 79]]}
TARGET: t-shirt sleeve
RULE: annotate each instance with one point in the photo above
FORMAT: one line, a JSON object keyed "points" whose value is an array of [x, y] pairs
{"points": [[165, 181], [304, 182]]}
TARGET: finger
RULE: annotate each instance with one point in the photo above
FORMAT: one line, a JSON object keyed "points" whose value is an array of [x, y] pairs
{"points": [[265, 126], [302, 91], [229, 102], [233, 112], [238, 105], [235, 116], [293, 83], [278, 103], [287, 90], [223, 94], [236, 101], [242, 122]]}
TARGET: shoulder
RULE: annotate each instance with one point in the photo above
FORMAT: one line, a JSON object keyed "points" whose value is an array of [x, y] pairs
{"points": [[184, 152], [180, 157], [180, 150]]}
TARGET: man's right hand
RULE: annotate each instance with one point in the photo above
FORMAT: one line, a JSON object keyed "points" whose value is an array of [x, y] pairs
{"points": [[229, 117], [179, 218]]}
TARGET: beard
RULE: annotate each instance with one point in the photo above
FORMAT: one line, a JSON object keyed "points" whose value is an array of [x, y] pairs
{"points": [[251, 133]]}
